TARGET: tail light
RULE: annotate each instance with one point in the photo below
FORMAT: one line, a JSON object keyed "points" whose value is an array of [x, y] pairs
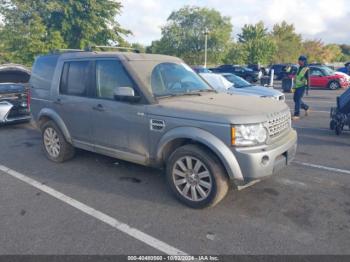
{"points": [[28, 99]]}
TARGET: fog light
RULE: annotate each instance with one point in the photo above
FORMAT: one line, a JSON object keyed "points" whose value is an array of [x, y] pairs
{"points": [[265, 160]]}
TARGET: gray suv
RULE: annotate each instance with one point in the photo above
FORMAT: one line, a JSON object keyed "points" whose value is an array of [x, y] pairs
{"points": [[154, 110]]}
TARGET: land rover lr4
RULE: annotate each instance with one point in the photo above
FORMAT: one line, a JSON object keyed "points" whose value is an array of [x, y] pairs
{"points": [[155, 111]]}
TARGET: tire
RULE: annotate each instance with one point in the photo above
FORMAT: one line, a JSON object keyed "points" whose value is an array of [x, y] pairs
{"points": [[338, 130], [333, 85], [332, 125], [209, 190], [55, 146]]}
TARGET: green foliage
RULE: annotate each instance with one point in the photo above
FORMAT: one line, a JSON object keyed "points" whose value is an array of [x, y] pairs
{"points": [[139, 47], [184, 35], [288, 43], [236, 54], [257, 43], [346, 52], [33, 27], [316, 51], [332, 53]]}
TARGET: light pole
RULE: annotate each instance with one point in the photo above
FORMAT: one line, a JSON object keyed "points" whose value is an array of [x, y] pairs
{"points": [[206, 33]]}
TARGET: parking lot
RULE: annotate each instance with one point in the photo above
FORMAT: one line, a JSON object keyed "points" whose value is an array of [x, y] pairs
{"points": [[99, 205]]}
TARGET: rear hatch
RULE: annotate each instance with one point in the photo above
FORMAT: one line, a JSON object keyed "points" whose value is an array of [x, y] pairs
{"points": [[14, 91]]}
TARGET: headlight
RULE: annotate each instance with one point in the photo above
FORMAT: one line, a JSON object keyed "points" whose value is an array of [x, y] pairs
{"points": [[248, 135]]}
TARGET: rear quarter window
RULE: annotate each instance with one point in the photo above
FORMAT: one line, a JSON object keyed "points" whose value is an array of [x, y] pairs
{"points": [[43, 71]]}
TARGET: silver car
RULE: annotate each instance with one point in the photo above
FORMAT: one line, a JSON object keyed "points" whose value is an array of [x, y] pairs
{"points": [[154, 110], [233, 84]]}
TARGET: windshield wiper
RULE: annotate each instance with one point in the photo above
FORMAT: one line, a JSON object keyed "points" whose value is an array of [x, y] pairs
{"points": [[206, 91], [180, 94]]}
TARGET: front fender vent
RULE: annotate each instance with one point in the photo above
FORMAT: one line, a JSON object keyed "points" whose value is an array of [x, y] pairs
{"points": [[157, 125]]}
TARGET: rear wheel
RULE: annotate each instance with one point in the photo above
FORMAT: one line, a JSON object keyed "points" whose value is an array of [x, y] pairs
{"points": [[55, 145], [334, 85], [332, 125], [196, 177], [338, 130]]}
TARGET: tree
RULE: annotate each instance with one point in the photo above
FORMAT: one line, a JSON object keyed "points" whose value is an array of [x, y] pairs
{"points": [[346, 52], [332, 53], [257, 43], [32, 27], [184, 35], [288, 43], [313, 50], [236, 54], [139, 47]]}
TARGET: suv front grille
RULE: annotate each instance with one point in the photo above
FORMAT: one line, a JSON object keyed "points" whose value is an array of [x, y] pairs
{"points": [[279, 124]]}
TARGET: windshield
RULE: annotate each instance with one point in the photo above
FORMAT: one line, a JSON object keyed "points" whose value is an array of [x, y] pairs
{"points": [[175, 79], [237, 81], [328, 71]]}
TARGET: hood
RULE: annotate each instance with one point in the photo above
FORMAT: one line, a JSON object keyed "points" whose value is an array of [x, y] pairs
{"points": [[346, 76], [219, 108], [12, 73], [256, 90]]}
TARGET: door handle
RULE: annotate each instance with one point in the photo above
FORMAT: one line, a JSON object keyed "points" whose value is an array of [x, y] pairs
{"points": [[58, 101], [98, 107]]}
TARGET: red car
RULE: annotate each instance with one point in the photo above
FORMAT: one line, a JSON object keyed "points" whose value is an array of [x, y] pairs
{"points": [[324, 77]]}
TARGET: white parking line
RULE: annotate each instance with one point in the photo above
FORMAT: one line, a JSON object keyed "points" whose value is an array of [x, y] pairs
{"points": [[337, 170], [133, 232]]}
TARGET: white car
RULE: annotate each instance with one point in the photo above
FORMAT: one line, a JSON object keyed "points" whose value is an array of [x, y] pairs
{"points": [[346, 76], [233, 84]]}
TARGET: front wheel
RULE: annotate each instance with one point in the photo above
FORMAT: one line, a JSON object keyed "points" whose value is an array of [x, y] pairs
{"points": [[333, 85], [196, 177]]}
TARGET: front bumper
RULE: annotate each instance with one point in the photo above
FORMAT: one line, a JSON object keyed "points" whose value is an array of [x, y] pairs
{"points": [[344, 84], [10, 113], [259, 163]]}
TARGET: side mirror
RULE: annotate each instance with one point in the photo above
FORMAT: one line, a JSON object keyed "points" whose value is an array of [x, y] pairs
{"points": [[125, 93]]}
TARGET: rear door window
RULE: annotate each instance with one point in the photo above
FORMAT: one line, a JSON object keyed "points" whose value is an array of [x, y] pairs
{"points": [[75, 78]]}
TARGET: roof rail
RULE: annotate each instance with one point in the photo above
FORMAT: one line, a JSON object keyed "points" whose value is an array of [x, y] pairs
{"points": [[91, 48], [58, 51]]}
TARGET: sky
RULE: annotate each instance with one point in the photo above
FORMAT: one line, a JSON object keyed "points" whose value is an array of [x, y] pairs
{"points": [[328, 20]]}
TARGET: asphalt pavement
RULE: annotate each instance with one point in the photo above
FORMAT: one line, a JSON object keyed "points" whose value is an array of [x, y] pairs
{"points": [[98, 205]]}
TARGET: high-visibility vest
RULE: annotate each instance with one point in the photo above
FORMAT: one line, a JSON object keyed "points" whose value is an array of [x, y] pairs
{"points": [[300, 79]]}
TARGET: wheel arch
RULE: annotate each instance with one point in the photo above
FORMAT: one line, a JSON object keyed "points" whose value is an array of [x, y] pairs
{"points": [[47, 114], [335, 80], [190, 135]]}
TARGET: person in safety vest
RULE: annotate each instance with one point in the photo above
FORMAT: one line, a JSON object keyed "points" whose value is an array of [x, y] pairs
{"points": [[301, 85]]}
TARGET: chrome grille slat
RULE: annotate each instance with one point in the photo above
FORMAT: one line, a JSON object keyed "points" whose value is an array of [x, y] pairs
{"points": [[279, 124]]}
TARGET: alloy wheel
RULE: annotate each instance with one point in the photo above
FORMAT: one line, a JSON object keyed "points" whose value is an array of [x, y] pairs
{"points": [[52, 142], [192, 178]]}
